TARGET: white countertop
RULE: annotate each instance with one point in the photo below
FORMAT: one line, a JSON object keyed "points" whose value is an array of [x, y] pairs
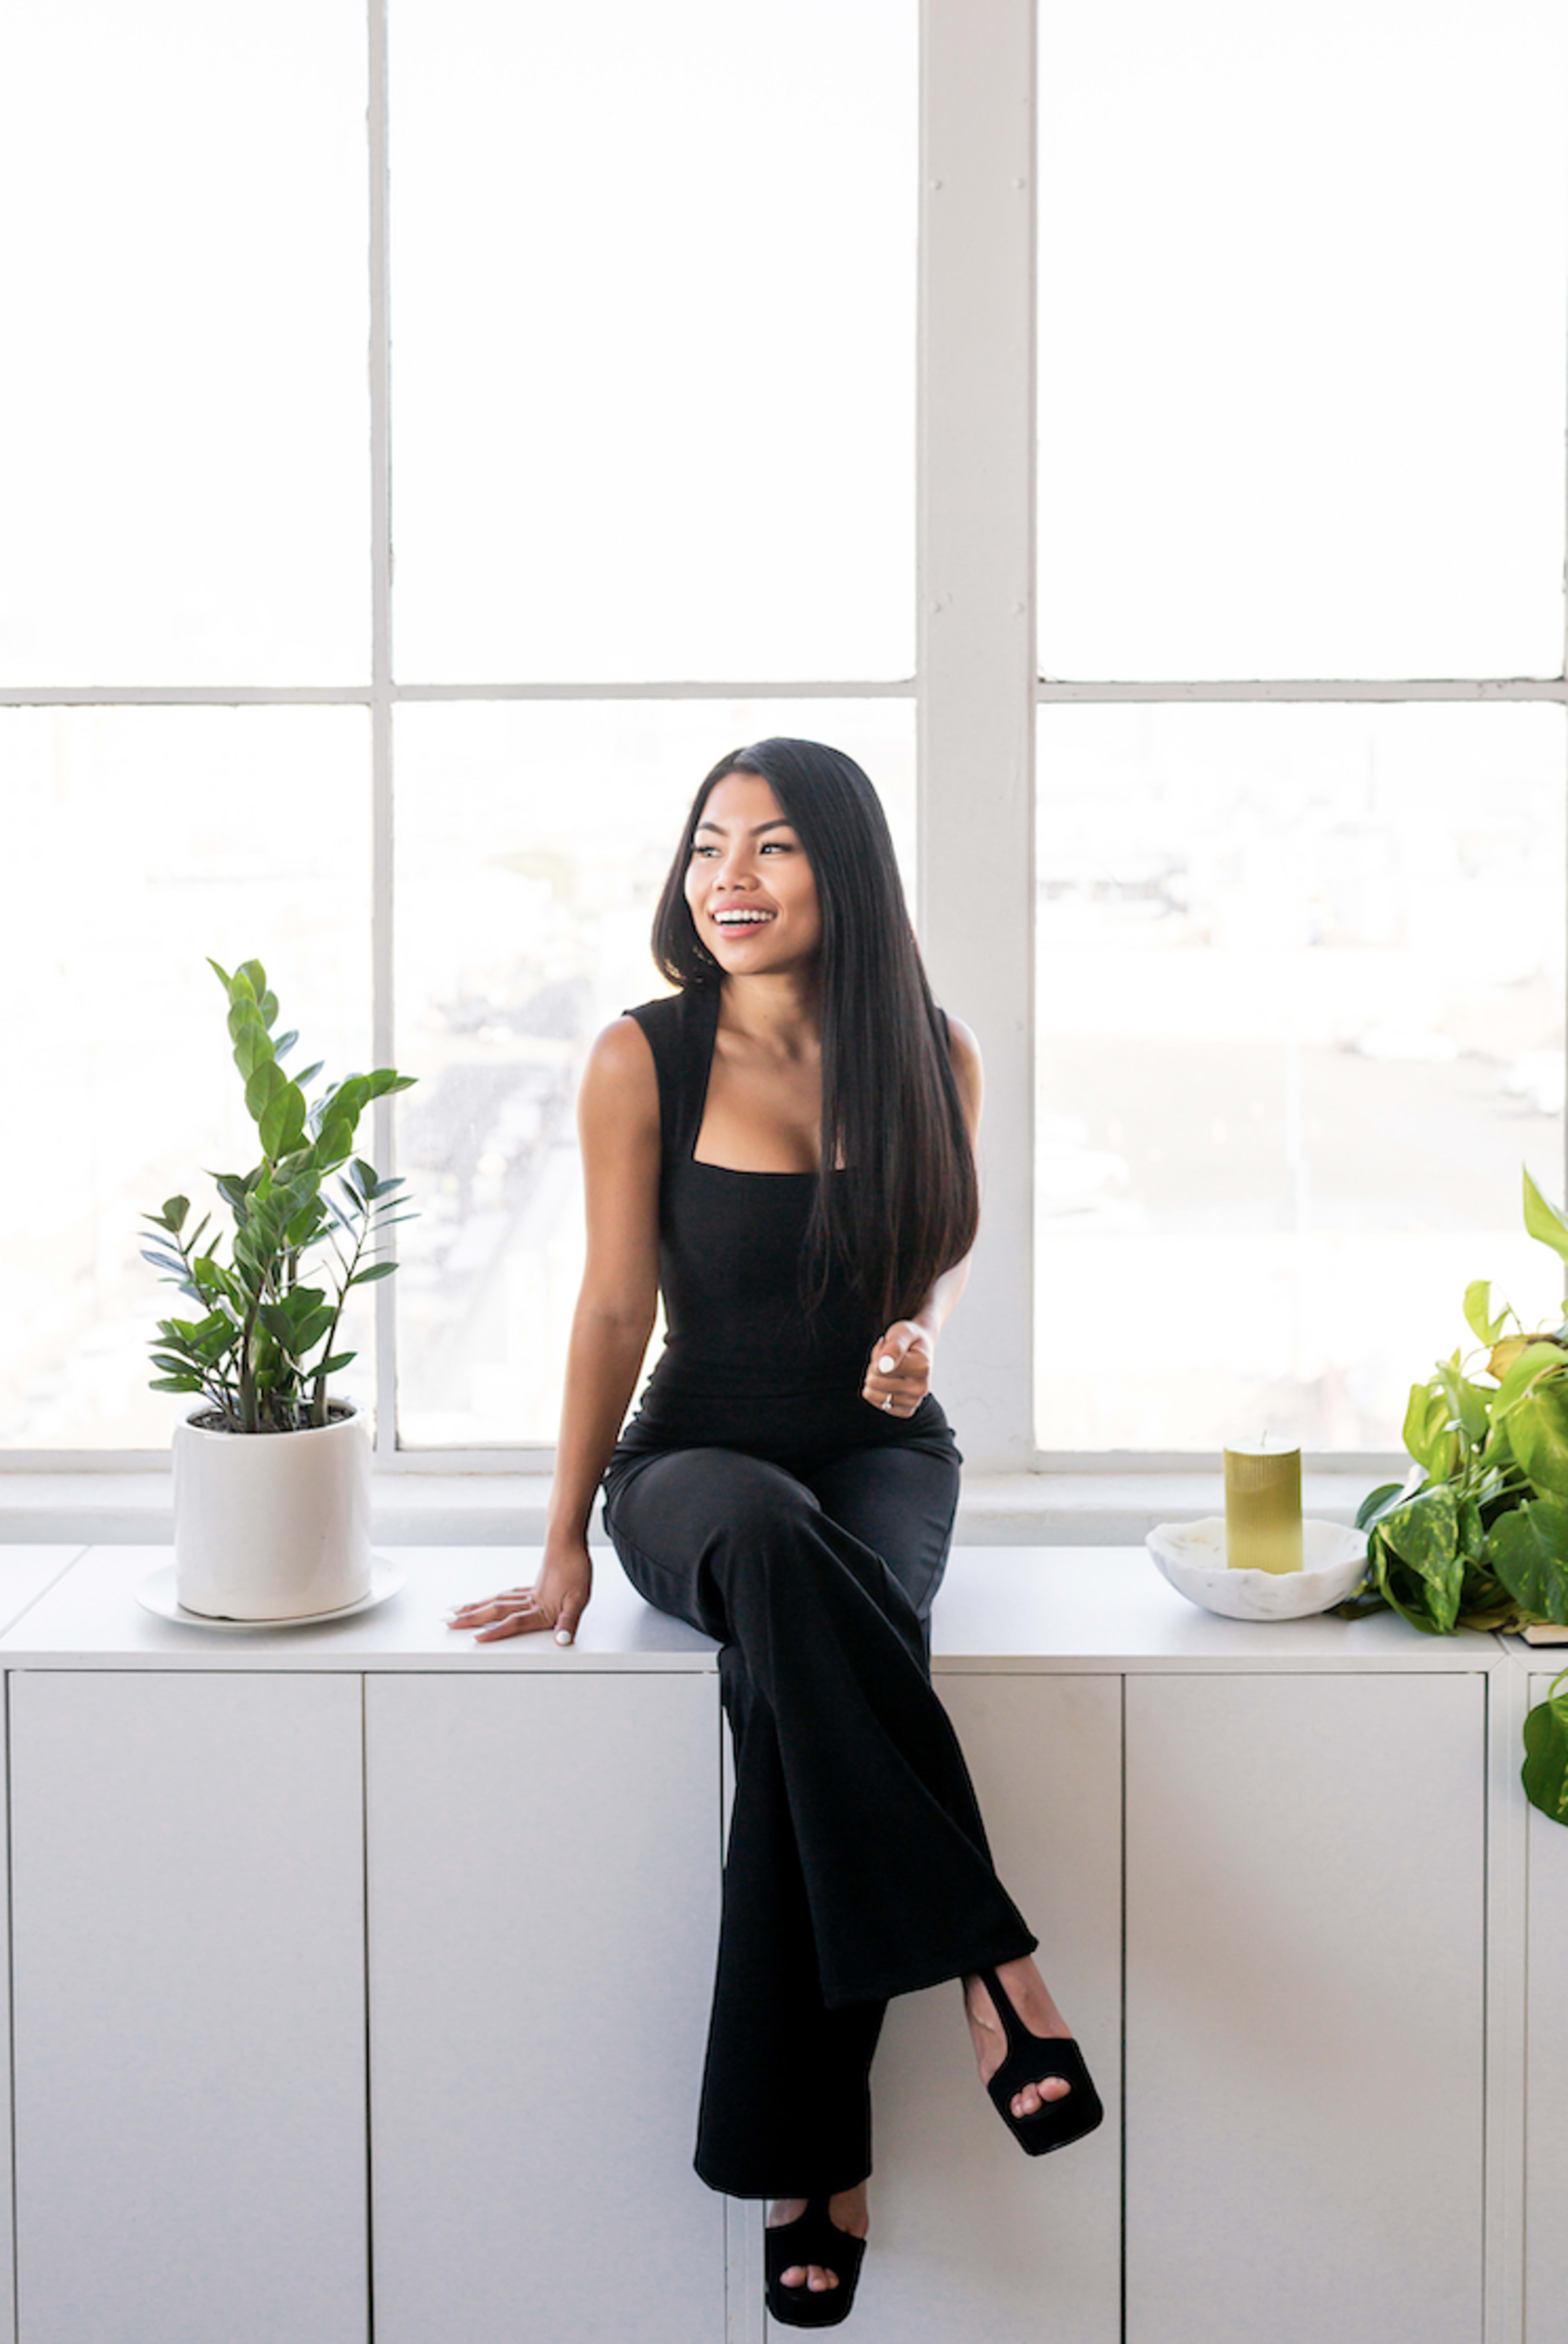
{"points": [[1006, 1609]]}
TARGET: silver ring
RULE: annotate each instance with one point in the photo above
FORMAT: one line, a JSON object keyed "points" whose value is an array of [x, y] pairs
{"points": [[888, 1404]]}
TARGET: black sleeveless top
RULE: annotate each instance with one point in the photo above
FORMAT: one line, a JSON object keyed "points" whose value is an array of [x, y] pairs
{"points": [[745, 1365]]}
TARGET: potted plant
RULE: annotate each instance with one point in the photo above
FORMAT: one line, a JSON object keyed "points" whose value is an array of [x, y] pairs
{"points": [[1477, 1535], [272, 1476]]}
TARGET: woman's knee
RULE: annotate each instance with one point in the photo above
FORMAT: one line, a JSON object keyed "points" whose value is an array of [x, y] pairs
{"points": [[751, 1504], [708, 1501]]}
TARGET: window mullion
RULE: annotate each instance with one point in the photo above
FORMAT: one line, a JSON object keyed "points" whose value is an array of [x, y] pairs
{"points": [[383, 1026], [976, 656]]}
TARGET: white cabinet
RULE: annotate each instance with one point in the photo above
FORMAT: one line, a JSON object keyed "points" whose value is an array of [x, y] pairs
{"points": [[1256, 1857], [544, 1899], [1305, 1906], [1546, 2076], [970, 2239], [189, 1997]]}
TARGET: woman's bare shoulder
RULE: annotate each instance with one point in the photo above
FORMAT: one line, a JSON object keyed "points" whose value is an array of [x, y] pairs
{"points": [[619, 1079], [964, 1051]]}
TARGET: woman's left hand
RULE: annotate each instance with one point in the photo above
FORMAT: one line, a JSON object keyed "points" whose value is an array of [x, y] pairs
{"points": [[899, 1374]]}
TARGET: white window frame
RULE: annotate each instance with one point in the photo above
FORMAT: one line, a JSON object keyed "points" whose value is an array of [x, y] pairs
{"points": [[976, 690]]}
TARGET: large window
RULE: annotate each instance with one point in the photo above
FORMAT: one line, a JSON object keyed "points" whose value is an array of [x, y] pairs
{"points": [[434, 433]]}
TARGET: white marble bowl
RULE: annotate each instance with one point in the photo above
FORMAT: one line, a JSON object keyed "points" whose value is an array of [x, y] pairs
{"points": [[1191, 1556]]}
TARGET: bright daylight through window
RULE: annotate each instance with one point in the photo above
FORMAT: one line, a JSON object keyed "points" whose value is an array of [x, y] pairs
{"points": [[638, 288], [1300, 968]]}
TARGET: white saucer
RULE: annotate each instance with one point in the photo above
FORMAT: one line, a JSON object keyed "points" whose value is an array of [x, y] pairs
{"points": [[156, 1593]]}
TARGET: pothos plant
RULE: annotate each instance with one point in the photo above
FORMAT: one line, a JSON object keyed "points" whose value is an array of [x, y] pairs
{"points": [[264, 1346], [1477, 1535]]}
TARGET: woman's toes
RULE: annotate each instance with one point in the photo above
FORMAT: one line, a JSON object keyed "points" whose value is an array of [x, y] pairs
{"points": [[1035, 2096], [821, 2280], [794, 2277]]}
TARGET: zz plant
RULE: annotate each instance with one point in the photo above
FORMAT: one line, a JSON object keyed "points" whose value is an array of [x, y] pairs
{"points": [[1477, 1535], [263, 1347]]}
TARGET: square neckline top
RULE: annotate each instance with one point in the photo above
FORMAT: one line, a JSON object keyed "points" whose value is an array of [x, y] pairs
{"points": [[706, 1163]]}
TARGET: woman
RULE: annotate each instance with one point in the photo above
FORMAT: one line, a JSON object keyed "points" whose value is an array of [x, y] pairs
{"points": [[786, 1148]]}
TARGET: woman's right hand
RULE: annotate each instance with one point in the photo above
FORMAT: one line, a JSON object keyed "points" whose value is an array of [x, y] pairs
{"points": [[558, 1599]]}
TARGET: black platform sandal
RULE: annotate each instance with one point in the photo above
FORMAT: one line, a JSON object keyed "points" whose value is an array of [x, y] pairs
{"points": [[1035, 2059], [811, 2238]]}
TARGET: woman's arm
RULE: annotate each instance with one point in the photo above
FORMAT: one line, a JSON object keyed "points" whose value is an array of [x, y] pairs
{"points": [[909, 1345], [617, 1121]]}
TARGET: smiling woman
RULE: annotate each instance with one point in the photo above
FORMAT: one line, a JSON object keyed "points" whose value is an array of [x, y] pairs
{"points": [[784, 1151]]}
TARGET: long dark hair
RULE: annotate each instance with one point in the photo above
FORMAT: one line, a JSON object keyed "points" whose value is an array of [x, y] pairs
{"points": [[890, 1106]]}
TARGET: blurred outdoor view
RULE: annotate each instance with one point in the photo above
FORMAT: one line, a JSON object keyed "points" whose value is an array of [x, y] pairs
{"points": [[533, 840], [136, 841], [1300, 995]]}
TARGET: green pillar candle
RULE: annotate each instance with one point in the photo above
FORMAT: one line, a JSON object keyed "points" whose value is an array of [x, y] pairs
{"points": [[1263, 1508]]}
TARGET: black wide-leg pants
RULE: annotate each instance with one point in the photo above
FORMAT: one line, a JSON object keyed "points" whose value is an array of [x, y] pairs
{"points": [[857, 1865]]}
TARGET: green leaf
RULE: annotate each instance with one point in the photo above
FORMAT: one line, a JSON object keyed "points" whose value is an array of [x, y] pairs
{"points": [[1471, 1535], [262, 1088], [267, 1008], [1538, 1434], [175, 1211], [1468, 1406], [1424, 1536], [1537, 1360], [283, 1120], [1378, 1502], [255, 977], [1545, 1773], [1478, 1312], [1528, 1549], [340, 1359], [1426, 1431], [376, 1269], [283, 1043], [1543, 1220], [175, 1383], [310, 1074], [211, 1275], [223, 975]]}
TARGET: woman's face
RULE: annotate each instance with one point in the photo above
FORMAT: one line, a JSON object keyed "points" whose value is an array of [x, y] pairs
{"points": [[751, 890]]}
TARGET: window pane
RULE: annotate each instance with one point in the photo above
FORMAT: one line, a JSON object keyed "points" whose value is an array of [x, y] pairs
{"points": [[654, 316], [1301, 1020], [183, 430], [1301, 339], [532, 841], [137, 842]]}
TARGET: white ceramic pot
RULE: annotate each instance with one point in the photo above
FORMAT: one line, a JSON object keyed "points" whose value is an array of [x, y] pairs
{"points": [[272, 1525]]}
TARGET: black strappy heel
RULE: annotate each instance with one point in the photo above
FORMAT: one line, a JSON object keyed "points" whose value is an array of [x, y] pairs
{"points": [[1035, 2059], [812, 2238]]}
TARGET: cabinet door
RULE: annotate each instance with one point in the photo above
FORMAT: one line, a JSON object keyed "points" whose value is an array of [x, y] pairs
{"points": [[1304, 2026], [1546, 2076], [188, 1967], [970, 2239], [544, 1899]]}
